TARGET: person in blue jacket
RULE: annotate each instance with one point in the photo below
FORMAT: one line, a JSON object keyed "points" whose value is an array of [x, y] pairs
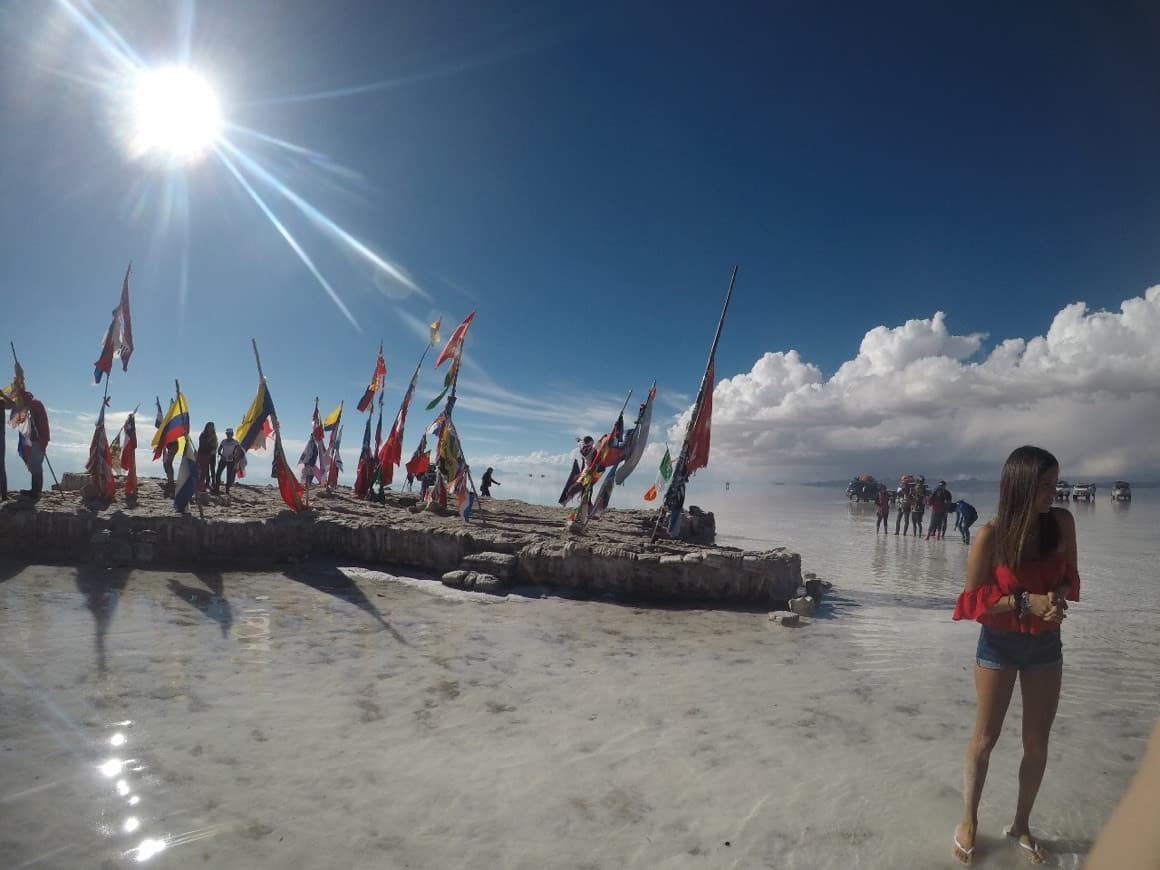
{"points": [[965, 516]]}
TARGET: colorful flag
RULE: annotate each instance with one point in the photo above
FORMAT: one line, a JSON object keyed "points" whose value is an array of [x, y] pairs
{"points": [[252, 429], [420, 460], [313, 458], [129, 455], [434, 327], [115, 451], [160, 416], [697, 453], [335, 460], [173, 427], [376, 384], [664, 475], [100, 464], [569, 485], [316, 424], [187, 475], [366, 464], [288, 486], [454, 345], [118, 337], [240, 464], [331, 422], [637, 438], [604, 496], [391, 454]]}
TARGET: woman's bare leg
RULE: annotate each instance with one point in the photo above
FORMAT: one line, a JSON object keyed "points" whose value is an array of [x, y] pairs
{"points": [[993, 690], [1040, 691]]}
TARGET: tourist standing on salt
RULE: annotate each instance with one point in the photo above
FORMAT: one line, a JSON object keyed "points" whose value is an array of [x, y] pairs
{"points": [[37, 443], [230, 452], [902, 499], [882, 500], [487, 482], [207, 444], [1020, 570]]}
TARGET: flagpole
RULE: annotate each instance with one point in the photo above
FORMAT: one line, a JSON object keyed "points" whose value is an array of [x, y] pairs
{"points": [[679, 467], [273, 412], [450, 406], [32, 420]]}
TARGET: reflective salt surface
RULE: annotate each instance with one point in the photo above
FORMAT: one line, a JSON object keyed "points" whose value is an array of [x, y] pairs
{"points": [[338, 717]]}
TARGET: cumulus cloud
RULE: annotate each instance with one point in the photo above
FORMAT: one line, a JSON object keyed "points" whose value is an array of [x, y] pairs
{"points": [[918, 396]]}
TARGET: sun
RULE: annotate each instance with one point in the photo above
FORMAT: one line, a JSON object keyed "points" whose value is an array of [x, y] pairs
{"points": [[175, 115]]}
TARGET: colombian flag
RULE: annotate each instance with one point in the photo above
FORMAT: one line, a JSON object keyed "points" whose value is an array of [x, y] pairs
{"points": [[253, 424], [174, 427], [331, 421]]}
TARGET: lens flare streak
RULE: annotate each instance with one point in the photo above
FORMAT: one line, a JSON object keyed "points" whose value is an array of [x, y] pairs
{"points": [[285, 233]]}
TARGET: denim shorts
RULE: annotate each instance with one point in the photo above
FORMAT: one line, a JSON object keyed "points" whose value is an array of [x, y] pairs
{"points": [[1012, 651]]}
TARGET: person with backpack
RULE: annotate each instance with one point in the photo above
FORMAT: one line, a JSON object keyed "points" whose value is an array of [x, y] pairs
{"points": [[966, 516]]}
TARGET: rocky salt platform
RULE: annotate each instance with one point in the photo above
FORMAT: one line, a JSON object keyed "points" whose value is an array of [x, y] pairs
{"points": [[507, 542]]}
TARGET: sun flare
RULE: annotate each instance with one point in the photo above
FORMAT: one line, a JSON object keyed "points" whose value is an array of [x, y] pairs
{"points": [[176, 115]]}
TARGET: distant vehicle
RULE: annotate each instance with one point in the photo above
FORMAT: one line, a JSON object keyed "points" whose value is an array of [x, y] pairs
{"points": [[1121, 491], [864, 488], [1085, 491], [1062, 491]]}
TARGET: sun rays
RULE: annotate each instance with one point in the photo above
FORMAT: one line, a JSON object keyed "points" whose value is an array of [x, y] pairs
{"points": [[171, 116]]}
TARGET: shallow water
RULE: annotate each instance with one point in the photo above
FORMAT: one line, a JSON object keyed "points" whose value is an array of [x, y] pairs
{"points": [[326, 717]]}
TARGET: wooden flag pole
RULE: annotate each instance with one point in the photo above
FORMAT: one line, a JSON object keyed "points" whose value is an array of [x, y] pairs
{"points": [[32, 421], [450, 406]]}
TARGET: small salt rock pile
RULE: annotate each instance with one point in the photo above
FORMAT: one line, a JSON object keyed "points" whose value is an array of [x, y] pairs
{"points": [[803, 605]]}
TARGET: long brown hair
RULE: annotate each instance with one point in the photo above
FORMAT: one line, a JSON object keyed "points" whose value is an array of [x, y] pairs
{"points": [[1022, 472]]}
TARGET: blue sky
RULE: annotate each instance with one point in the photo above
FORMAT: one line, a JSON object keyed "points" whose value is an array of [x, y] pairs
{"points": [[586, 177]]}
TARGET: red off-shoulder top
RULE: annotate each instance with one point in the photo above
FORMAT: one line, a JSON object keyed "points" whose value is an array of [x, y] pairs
{"points": [[1038, 577]]}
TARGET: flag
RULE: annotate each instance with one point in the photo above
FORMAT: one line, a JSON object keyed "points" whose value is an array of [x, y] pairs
{"points": [[454, 344], [464, 497], [420, 460], [252, 429], [378, 427], [366, 463], [15, 393], [637, 438], [331, 422], [115, 451], [100, 464], [173, 427], [376, 384], [567, 492], [604, 496], [129, 455], [391, 454], [288, 486], [664, 475], [697, 452], [118, 337], [160, 416], [335, 461], [186, 485], [240, 465], [261, 442], [313, 456], [434, 327]]}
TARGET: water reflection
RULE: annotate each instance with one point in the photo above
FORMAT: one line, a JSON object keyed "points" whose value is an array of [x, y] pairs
{"points": [[213, 604], [102, 589]]}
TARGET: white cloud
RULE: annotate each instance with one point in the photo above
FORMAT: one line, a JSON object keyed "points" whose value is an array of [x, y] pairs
{"points": [[917, 396]]}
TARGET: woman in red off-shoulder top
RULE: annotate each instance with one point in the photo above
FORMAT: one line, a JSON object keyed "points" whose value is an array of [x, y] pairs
{"points": [[1021, 572]]}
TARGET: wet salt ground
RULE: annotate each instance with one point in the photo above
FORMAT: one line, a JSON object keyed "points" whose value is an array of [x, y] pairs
{"points": [[344, 717]]}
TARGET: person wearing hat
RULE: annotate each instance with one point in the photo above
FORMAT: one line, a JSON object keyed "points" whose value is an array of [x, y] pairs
{"points": [[940, 503], [228, 454]]}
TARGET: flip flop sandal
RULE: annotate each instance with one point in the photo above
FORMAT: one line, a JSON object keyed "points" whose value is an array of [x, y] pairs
{"points": [[968, 854], [1031, 850]]}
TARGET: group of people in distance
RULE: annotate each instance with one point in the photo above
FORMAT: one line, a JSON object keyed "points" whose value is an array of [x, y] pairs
{"points": [[216, 459], [912, 499]]}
